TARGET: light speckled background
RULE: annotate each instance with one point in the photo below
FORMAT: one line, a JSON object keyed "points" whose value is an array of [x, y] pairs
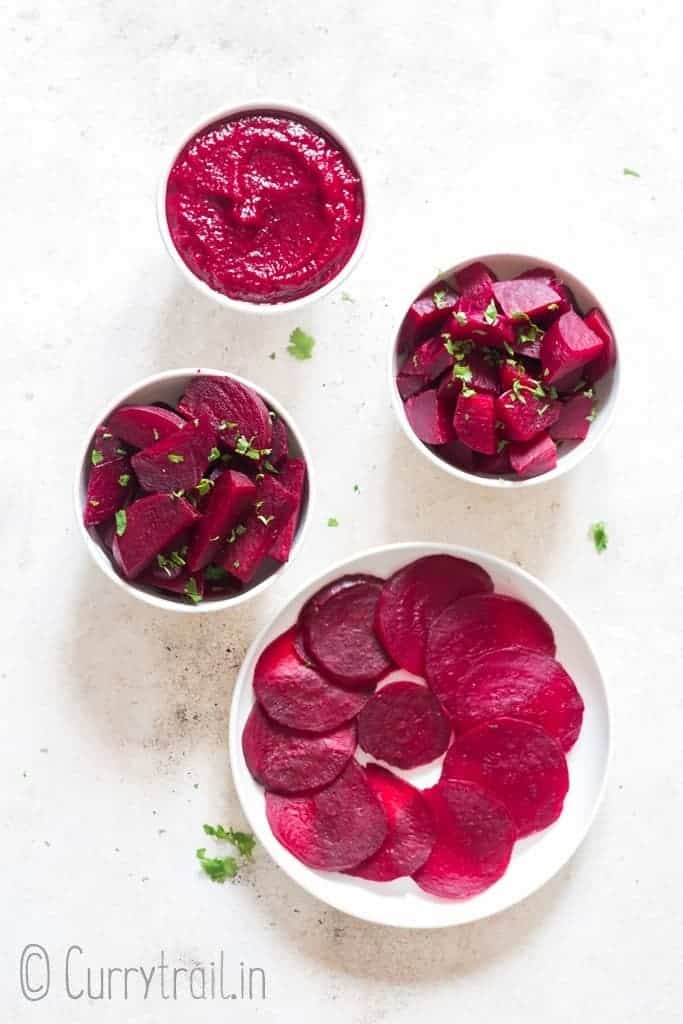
{"points": [[485, 126]]}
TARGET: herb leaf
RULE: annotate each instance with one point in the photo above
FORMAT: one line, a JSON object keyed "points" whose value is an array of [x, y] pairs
{"points": [[96, 457], [491, 313], [190, 590], [630, 173], [124, 479], [172, 457], [439, 298], [121, 522], [300, 344], [599, 534], [332, 521], [217, 868], [204, 485], [244, 842]]}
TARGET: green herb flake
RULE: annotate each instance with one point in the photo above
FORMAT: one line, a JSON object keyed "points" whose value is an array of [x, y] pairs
{"points": [[598, 532], [121, 451], [172, 457], [227, 425], [356, 489], [244, 842], [214, 454], [217, 868], [345, 297], [630, 173], [96, 457], [214, 574], [121, 522], [272, 355], [243, 446], [467, 392], [270, 468], [439, 298], [191, 590], [177, 494], [204, 486], [462, 372], [491, 313], [266, 520], [124, 479], [332, 521], [519, 315], [461, 317], [300, 344]]}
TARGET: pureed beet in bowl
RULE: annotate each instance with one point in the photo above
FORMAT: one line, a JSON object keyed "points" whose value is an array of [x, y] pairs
{"points": [[264, 206]]}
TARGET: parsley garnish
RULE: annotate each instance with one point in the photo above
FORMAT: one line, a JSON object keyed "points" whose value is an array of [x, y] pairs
{"points": [[467, 392], [244, 447], [356, 489], [491, 313], [227, 425], [190, 590], [266, 520], [217, 868], [121, 522], [172, 457], [462, 372], [96, 457], [599, 535], [439, 298], [345, 297], [205, 485], [461, 317], [630, 173], [529, 334], [214, 574], [214, 454], [124, 479], [267, 465], [243, 842], [300, 344], [332, 521], [519, 315]]}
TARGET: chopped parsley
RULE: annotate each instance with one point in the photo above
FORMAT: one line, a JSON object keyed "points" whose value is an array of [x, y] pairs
{"points": [[205, 485], [332, 521], [124, 479], [599, 534], [300, 344], [214, 454], [217, 868], [190, 590], [169, 563], [356, 489], [270, 468], [214, 574], [227, 425], [630, 173], [467, 392], [96, 457], [345, 297], [243, 446], [243, 842], [461, 317], [172, 457], [462, 372], [439, 298], [121, 522], [491, 313], [266, 520], [529, 334]]}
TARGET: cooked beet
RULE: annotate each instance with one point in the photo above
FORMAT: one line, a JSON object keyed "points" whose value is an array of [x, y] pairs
{"points": [[475, 282], [292, 477], [473, 625], [482, 326], [510, 371], [143, 425], [568, 344], [474, 840], [475, 422], [532, 458], [493, 465], [235, 411], [191, 584], [458, 454], [409, 384], [279, 442], [149, 526], [576, 416], [106, 447], [597, 321], [427, 313], [227, 501], [411, 833], [519, 763], [571, 382], [531, 296], [334, 829], [513, 683], [403, 725], [264, 521], [290, 761], [322, 596], [428, 361], [110, 486], [526, 411], [415, 596], [178, 461], [429, 418]]}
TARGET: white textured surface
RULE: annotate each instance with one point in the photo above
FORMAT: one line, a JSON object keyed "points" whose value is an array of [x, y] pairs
{"points": [[485, 126]]}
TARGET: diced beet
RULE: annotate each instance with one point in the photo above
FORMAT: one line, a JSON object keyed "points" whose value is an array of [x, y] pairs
{"points": [[532, 296], [106, 447], [568, 344], [264, 522], [291, 761], [334, 829], [178, 461], [553, 281], [510, 371], [411, 833], [403, 725], [527, 343], [234, 410], [473, 625], [476, 283], [523, 414], [427, 313], [279, 442], [481, 326], [293, 478], [110, 486], [191, 584], [575, 418], [533, 458], [415, 596], [409, 385], [428, 417], [475, 422], [457, 454], [572, 381], [597, 321], [428, 361], [171, 563], [151, 524], [484, 370], [315, 603], [474, 840], [519, 763], [493, 465], [228, 499], [339, 634], [448, 389], [296, 695], [513, 683], [142, 425]]}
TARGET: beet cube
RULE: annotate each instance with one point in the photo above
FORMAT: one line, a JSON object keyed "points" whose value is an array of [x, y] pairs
{"points": [[475, 422], [482, 326], [475, 282], [526, 411], [408, 385], [428, 416], [226, 502], [530, 296], [106, 447], [142, 425], [266, 519], [568, 344], [457, 454], [292, 477], [428, 361], [576, 416], [149, 525], [531, 458], [279, 443], [597, 321], [427, 313], [178, 461]]}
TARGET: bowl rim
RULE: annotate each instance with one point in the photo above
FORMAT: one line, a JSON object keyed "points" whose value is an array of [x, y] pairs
{"points": [[104, 563], [566, 462], [242, 305]]}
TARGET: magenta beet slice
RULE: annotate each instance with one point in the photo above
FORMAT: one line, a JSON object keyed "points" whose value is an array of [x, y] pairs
{"points": [[475, 283], [519, 763], [429, 417], [233, 408], [264, 521], [334, 829], [110, 486], [483, 326], [143, 425], [571, 382], [523, 414], [178, 461], [228, 499], [106, 447], [428, 361], [409, 384], [513, 683], [291, 761], [474, 840], [568, 344], [292, 477], [533, 458], [279, 443], [475, 422], [471, 626], [576, 416], [403, 725], [411, 833], [151, 524], [457, 454], [415, 596], [427, 313], [190, 584], [598, 323], [530, 296]]}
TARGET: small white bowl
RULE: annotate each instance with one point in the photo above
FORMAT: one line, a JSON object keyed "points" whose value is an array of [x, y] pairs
{"points": [[239, 305], [571, 453], [535, 859], [168, 387]]}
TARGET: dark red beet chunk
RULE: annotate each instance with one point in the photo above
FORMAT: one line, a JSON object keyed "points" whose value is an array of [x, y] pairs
{"points": [[315, 603], [234, 410], [296, 695], [191, 584], [512, 683], [531, 296], [597, 321], [471, 626], [409, 384], [403, 725], [106, 447], [266, 519], [475, 422], [411, 829], [482, 326], [493, 465], [520, 764], [228, 499], [457, 454], [475, 283], [532, 458], [568, 344], [429, 418], [524, 414], [177, 462], [426, 315], [151, 524], [334, 829], [288, 761], [143, 425], [474, 840], [292, 477], [576, 416], [110, 486], [428, 361], [279, 442], [415, 596]]}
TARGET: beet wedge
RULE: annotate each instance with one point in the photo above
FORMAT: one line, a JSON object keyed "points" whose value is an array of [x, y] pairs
{"points": [[235, 411], [110, 487], [526, 411], [106, 447], [146, 528], [528, 298], [475, 283], [429, 417], [266, 519], [292, 476], [143, 425], [279, 443], [427, 314], [596, 370], [576, 416], [428, 361], [533, 458], [568, 344], [475, 422], [227, 501], [178, 462]]}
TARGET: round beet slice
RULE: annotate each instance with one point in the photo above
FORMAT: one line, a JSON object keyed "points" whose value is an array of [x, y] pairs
{"points": [[474, 840], [515, 683], [411, 833], [293, 762], [334, 829], [518, 762], [296, 695], [472, 626], [403, 724], [337, 625], [315, 603], [413, 598]]}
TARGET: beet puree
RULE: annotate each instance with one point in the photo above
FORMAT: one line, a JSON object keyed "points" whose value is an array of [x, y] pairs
{"points": [[264, 207]]}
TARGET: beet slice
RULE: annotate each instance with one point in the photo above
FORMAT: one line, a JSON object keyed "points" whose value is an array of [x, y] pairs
{"points": [[411, 833], [409, 384], [292, 477], [429, 417], [415, 596], [291, 761], [493, 465], [513, 683], [106, 447], [234, 410], [526, 411], [178, 461], [474, 840], [334, 829], [530, 296], [338, 631], [428, 361], [568, 344], [143, 425], [279, 443], [482, 325], [427, 313], [151, 524], [294, 693], [576, 416], [598, 323], [532, 458], [316, 602], [471, 626], [266, 519], [191, 584], [228, 499], [475, 422], [457, 454], [110, 486], [519, 763], [403, 725], [475, 282]]}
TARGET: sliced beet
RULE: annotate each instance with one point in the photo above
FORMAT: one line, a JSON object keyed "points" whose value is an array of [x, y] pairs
{"points": [[427, 313], [403, 725], [149, 526], [576, 416], [598, 323], [473, 625], [110, 486], [428, 361], [234, 410], [295, 694], [227, 501], [429, 417], [483, 326], [290, 761], [532, 458], [279, 443], [178, 461], [513, 683], [334, 829], [474, 840], [265, 520], [568, 344], [106, 447], [322, 596], [475, 422], [519, 763], [530, 296], [415, 596], [292, 477], [526, 411], [475, 282], [143, 425], [411, 833], [409, 384]]}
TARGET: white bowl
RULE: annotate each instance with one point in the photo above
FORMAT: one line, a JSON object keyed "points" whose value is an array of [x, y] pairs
{"points": [[239, 305], [571, 453], [168, 387], [535, 859]]}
